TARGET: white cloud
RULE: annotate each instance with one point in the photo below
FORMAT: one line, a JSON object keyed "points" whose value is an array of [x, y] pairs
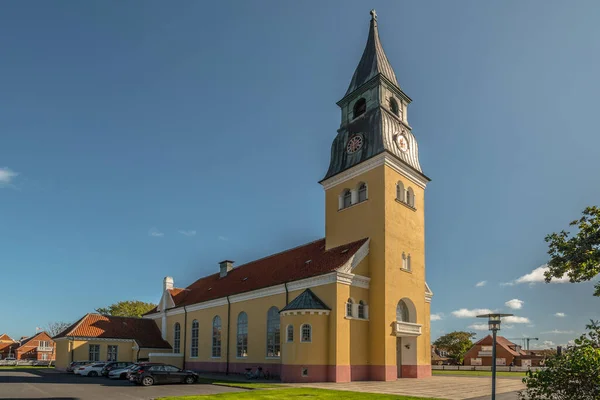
{"points": [[222, 238], [560, 315], [188, 233], [548, 343], [536, 276], [515, 320], [466, 313], [435, 317], [154, 232], [558, 332], [480, 284], [515, 304], [479, 327], [508, 326], [6, 176]]}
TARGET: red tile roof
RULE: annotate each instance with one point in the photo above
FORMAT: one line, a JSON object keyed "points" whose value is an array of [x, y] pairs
{"points": [[298, 263], [5, 337], [143, 331], [502, 341]]}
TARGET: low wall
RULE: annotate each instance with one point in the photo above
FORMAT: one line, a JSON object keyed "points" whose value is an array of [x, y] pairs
{"points": [[483, 368]]}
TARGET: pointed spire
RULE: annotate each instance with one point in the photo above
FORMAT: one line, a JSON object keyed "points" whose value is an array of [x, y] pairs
{"points": [[373, 60]]}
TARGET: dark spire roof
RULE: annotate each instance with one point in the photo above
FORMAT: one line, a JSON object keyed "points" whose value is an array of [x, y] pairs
{"points": [[307, 300], [373, 60]]}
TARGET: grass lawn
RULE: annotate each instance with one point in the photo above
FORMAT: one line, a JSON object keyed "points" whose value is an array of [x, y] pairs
{"points": [[239, 384], [279, 394], [478, 373]]}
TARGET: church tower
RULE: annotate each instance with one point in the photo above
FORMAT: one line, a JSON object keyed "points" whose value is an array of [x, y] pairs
{"points": [[375, 188]]}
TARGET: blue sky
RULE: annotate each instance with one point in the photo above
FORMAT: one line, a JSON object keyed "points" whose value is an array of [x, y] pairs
{"points": [[144, 139]]}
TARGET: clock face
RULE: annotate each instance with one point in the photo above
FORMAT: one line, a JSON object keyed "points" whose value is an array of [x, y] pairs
{"points": [[401, 142], [354, 144]]}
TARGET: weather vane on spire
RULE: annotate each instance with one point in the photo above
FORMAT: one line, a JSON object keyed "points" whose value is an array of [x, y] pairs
{"points": [[373, 14]]}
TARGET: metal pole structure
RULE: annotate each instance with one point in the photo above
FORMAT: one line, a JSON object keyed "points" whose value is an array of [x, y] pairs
{"points": [[494, 365]]}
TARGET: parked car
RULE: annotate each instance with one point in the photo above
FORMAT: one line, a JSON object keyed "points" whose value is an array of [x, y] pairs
{"points": [[76, 364], [11, 360], [120, 373], [90, 370], [148, 375], [137, 366], [114, 365]]}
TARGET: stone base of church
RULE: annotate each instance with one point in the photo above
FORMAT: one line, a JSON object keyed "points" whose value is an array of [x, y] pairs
{"points": [[384, 373], [234, 368], [416, 371]]}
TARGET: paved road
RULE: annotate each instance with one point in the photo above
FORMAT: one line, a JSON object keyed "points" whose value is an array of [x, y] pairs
{"points": [[37, 384]]}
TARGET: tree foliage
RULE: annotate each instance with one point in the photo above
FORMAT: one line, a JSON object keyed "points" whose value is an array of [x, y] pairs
{"points": [[577, 256], [130, 308], [574, 375], [54, 328], [456, 343]]}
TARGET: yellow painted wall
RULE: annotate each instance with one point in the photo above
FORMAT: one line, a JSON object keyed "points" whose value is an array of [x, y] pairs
{"points": [[392, 228], [145, 353], [63, 354], [81, 349], [177, 361], [306, 353]]}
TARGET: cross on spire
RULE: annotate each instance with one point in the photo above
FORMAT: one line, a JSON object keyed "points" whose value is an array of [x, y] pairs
{"points": [[373, 14]]}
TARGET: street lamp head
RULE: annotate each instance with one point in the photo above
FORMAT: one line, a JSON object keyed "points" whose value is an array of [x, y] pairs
{"points": [[494, 320]]}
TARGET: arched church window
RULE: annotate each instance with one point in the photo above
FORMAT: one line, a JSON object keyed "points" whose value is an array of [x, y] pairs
{"points": [[362, 192], [410, 197], [177, 338], [402, 314], [306, 333], [347, 198], [273, 343], [349, 305], [361, 309], [216, 337], [400, 195], [394, 106], [242, 335], [290, 333], [359, 108]]}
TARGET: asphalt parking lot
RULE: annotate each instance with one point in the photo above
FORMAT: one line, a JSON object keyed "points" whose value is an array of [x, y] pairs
{"points": [[40, 384]]}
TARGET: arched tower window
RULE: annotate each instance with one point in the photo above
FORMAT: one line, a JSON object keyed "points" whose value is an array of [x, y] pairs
{"points": [[404, 261], [361, 309], [349, 305], [216, 337], [177, 338], [346, 198], [290, 334], [402, 314], [394, 107], [359, 108], [242, 335], [273, 340], [362, 192], [400, 194], [410, 197], [195, 331]]}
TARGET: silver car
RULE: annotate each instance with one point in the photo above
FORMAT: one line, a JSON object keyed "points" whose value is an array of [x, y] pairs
{"points": [[120, 373]]}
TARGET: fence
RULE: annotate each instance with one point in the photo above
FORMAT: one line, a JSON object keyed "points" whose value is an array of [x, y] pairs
{"points": [[34, 363], [483, 368]]}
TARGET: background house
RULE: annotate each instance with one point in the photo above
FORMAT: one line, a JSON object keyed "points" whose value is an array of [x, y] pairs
{"points": [[7, 346], [37, 347], [507, 352]]}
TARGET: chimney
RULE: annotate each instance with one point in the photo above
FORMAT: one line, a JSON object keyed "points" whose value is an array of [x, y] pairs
{"points": [[225, 266], [167, 283]]}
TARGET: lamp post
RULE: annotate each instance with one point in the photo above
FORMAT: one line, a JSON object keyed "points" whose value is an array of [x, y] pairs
{"points": [[494, 326]]}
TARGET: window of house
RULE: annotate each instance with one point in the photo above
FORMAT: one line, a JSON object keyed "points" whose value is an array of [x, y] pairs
{"points": [[94, 352], [112, 352], [359, 108], [349, 305], [347, 198], [216, 337], [195, 332], [362, 192], [361, 309], [242, 335], [394, 106], [290, 333], [402, 314], [177, 338], [273, 333], [400, 195], [306, 333], [44, 356]]}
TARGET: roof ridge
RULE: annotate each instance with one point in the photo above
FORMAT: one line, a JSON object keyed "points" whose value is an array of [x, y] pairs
{"points": [[75, 325], [115, 316]]}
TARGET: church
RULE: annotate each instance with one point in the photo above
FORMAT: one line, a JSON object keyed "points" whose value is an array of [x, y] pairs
{"points": [[352, 306]]}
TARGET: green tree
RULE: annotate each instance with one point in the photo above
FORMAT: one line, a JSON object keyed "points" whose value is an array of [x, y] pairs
{"points": [[130, 308], [574, 375], [456, 344], [576, 256]]}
